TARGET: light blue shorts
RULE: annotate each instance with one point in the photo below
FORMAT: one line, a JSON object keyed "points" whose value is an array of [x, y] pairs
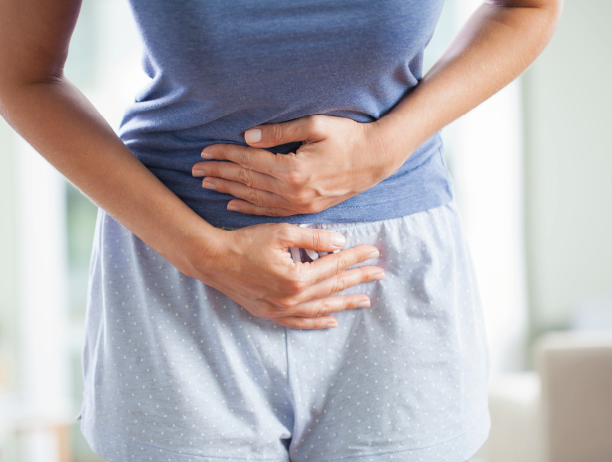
{"points": [[176, 371]]}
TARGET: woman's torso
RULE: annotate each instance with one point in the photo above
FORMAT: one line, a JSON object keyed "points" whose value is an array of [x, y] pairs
{"points": [[219, 68]]}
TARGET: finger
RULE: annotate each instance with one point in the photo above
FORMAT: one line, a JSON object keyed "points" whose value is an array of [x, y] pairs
{"points": [[258, 160], [343, 281], [251, 209], [282, 208], [309, 129], [234, 172], [297, 322], [320, 240], [337, 263], [254, 196], [326, 305]]}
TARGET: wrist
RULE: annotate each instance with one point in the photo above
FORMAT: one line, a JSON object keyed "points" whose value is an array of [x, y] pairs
{"points": [[199, 254], [389, 137]]}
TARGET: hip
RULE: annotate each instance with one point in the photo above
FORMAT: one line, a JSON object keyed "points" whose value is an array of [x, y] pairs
{"points": [[165, 345]]}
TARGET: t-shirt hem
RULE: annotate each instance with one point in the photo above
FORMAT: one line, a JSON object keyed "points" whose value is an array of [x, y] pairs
{"points": [[219, 216]]}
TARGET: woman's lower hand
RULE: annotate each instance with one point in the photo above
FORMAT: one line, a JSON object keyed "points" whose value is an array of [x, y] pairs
{"points": [[253, 267], [338, 159]]}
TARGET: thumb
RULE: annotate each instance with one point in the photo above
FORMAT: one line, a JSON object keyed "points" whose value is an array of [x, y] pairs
{"points": [[308, 128], [320, 240]]}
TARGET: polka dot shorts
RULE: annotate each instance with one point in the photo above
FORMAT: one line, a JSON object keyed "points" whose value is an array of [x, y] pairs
{"points": [[176, 371]]}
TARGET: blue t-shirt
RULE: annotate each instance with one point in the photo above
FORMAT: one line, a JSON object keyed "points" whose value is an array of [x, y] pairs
{"points": [[218, 68]]}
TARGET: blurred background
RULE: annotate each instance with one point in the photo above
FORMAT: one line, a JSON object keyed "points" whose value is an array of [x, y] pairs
{"points": [[533, 176]]}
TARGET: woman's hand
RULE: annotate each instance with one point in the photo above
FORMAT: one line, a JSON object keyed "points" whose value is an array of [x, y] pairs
{"points": [[253, 267], [250, 265], [338, 159]]}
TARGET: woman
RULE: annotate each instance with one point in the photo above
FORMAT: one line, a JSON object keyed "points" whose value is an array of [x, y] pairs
{"points": [[215, 329]]}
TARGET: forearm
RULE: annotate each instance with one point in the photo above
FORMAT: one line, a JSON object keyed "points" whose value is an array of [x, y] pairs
{"points": [[63, 126], [493, 48]]}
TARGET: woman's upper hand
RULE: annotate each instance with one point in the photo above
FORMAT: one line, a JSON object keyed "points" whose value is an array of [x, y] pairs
{"points": [[253, 267], [338, 159]]}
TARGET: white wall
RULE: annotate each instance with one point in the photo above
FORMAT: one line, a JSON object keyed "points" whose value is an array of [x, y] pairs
{"points": [[486, 160], [567, 100], [8, 258]]}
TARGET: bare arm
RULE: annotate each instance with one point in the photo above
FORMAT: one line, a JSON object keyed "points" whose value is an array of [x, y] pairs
{"points": [[498, 42], [63, 126]]}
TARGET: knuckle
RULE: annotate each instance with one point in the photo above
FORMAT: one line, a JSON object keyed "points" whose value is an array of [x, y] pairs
{"points": [[254, 197], [245, 176], [299, 199], [317, 239], [298, 280], [285, 232], [212, 168], [322, 308], [339, 285], [303, 198], [297, 286], [243, 159], [281, 321], [295, 177], [341, 265], [294, 323], [272, 212], [316, 125], [283, 304], [276, 133], [268, 313], [310, 208]]}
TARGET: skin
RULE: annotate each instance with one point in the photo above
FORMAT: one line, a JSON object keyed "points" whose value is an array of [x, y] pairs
{"points": [[49, 112], [62, 125], [477, 64]]}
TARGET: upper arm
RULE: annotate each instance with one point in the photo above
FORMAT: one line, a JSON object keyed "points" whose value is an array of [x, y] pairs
{"points": [[34, 39]]}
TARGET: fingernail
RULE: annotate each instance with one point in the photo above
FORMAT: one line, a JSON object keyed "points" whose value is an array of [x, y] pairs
{"points": [[331, 325], [253, 135], [206, 155], [208, 185], [364, 304], [337, 239], [375, 254], [378, 277], [233, 208], [198, 173]]}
